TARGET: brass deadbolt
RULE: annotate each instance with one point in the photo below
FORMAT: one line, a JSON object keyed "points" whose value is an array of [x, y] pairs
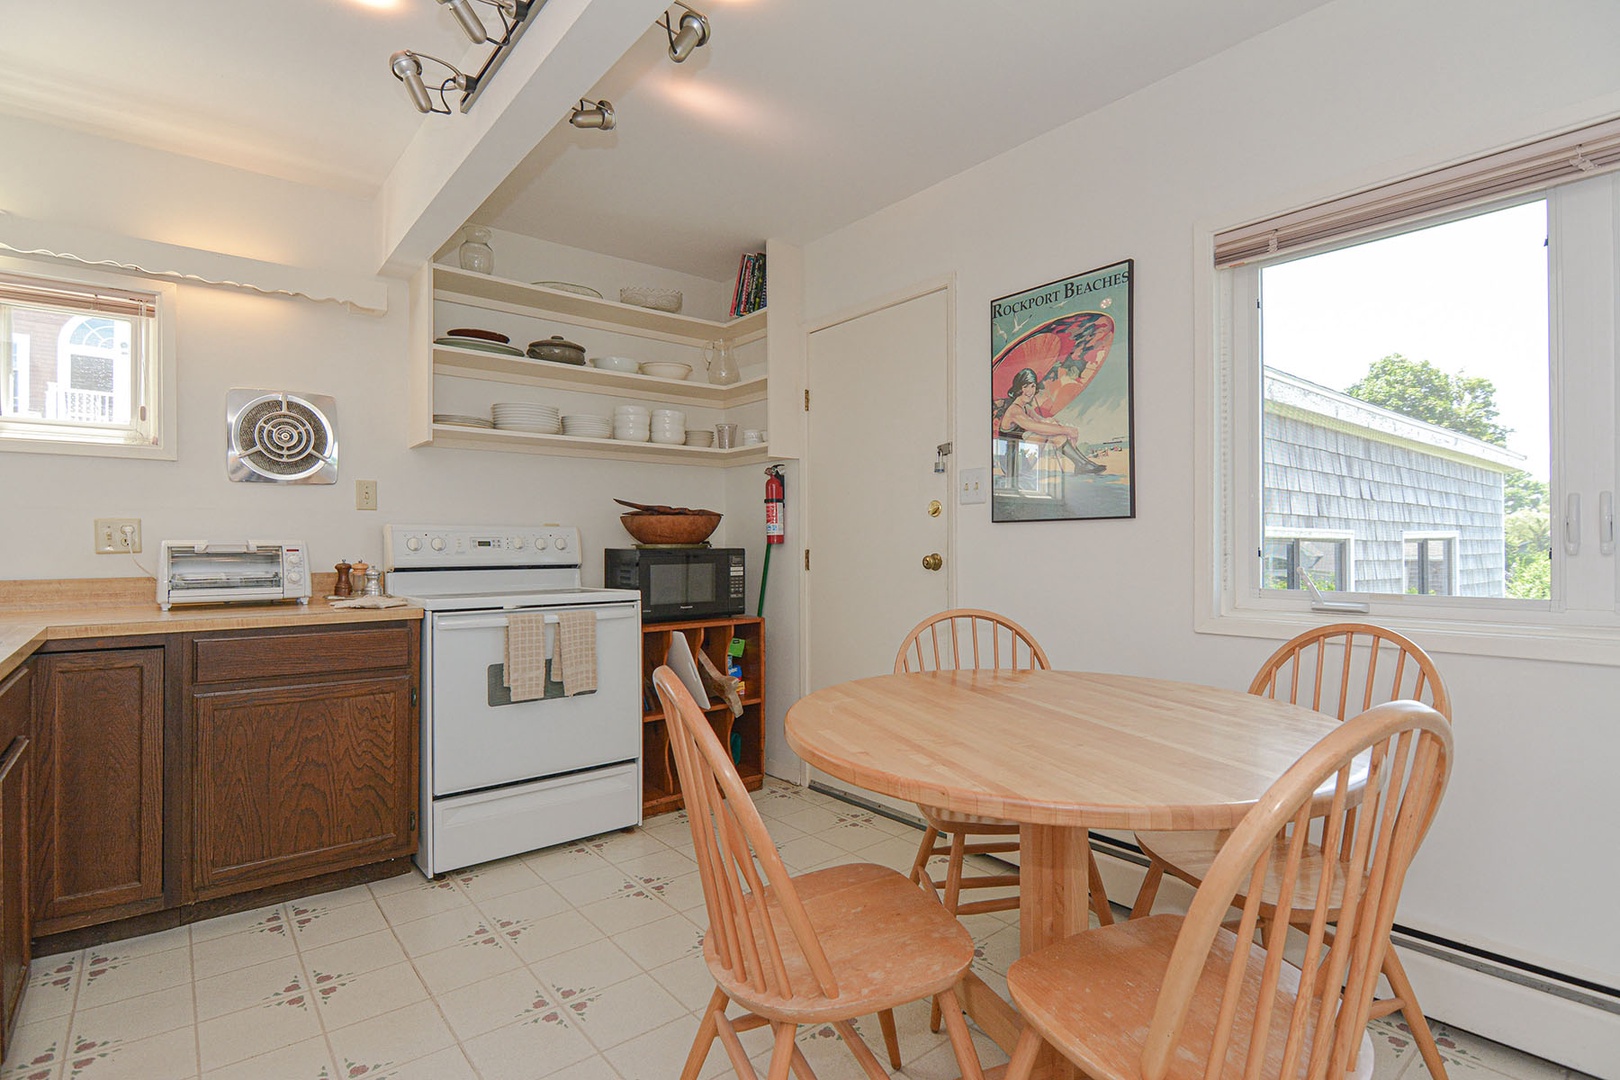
{"points": [[932, 562], [934, 508]]}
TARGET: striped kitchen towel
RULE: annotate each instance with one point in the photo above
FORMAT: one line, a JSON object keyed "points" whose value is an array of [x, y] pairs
{"points": [[576, 651], [526, 655]]}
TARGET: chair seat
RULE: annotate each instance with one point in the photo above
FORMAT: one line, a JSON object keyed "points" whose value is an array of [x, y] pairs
{"points": [[1093, 995], [889, 942], [1189, 855], [950, 821]]}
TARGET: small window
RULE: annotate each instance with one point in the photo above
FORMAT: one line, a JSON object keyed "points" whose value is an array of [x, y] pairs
{"points": [[87, 365], [1431, 565], [1323, 558]]}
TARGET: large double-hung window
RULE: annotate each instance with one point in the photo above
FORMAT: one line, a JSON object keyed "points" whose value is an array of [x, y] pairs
{"points": [[1417, 402]]}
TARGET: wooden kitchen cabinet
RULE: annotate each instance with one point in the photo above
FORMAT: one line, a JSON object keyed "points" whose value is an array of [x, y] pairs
{"points": [[97, 791], [16, 693], [304, 754], [745, 734]]}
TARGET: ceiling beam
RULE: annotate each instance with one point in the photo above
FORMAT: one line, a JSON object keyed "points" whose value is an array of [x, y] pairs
{"points": [[453, 163]]}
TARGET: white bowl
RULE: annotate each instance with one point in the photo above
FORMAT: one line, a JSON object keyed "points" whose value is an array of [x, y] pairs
{"points": [[639, 435], [700, 438], [617, 363], [666, 369], [669, 438]]}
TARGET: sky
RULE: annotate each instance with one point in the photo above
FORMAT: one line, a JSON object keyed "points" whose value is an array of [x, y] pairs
{"points": [[1470, 297]]}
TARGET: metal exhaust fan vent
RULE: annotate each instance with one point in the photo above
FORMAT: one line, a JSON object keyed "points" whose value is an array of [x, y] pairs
{"points": [[276, 437]]}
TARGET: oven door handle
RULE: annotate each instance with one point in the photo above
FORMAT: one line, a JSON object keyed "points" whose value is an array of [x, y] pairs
{"points": [[488, 622]]}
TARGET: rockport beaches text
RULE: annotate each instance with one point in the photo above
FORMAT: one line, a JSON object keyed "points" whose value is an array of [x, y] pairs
{"points": [[1069, 291]]}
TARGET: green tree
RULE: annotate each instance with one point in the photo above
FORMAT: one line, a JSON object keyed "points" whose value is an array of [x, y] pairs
{"points": [[1521, 491], [1416, 388]]}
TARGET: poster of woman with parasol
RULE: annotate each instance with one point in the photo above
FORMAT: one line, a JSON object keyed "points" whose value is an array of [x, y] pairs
{"points": [[1060, 400]]}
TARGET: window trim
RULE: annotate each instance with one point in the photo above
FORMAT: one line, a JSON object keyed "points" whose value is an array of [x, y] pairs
{"points": [[161, 373], [1451, 537], [1523, 629], [1341, 536]]}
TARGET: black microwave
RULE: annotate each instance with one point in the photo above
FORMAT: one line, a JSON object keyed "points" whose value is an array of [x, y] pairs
{"points": [[679, 583]]}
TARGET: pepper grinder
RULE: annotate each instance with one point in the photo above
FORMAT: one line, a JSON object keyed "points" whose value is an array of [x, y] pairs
{"points": [[357, 577], [373, 582], [342, 588]]}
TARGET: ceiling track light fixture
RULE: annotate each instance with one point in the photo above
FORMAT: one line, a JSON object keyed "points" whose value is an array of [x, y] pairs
{"points": [[598, 117], [690, 34], [406, 64]]}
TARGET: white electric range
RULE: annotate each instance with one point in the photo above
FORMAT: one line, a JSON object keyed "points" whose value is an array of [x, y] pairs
{"points": [[501, 777]]}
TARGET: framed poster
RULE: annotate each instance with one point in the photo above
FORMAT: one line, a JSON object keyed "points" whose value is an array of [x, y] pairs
{"points": [[1060, 400]]}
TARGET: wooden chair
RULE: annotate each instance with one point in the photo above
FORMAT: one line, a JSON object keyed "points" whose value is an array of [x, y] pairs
{"points": [[1173, 998], [972, 638], [1339, 669], [826, 946]]}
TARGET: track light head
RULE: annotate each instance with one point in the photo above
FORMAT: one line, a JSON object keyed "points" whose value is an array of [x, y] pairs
{"points": [[408, 70], [692, 33], [471, 24], [598, 117]]}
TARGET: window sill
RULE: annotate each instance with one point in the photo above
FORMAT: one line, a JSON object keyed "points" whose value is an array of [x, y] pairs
{"points": [[1588, 643], [87, 449]]}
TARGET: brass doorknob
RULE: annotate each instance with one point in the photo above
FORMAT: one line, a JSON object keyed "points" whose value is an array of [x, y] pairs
{"points": [[933, 562]]}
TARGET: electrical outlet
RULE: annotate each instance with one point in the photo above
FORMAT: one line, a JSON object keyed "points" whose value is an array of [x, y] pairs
{"points": [[118, 536], [973, 485], [365, 494]]}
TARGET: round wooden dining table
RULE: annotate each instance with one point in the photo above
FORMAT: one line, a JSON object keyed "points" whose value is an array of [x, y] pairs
{"points": [[1059, 752]]}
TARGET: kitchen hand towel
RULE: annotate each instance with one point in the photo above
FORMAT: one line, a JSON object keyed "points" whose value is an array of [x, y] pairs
{"points": [[576, 651], [526, 655]]}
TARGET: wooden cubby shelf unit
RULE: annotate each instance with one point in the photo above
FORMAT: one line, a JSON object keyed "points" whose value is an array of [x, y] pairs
{"points": [[660, 786]]}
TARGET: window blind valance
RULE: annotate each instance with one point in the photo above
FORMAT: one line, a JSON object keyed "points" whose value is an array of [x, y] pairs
{"points": [[86, 299], [1556, 159]]}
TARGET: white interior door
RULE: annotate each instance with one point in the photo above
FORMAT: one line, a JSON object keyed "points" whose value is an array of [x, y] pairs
{"points": [[880, 405]]}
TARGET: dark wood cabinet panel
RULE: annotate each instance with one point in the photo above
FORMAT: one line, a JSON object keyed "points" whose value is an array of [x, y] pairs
{"points": [[283, 655], [291, 781], [97, 790], [16, 693]]}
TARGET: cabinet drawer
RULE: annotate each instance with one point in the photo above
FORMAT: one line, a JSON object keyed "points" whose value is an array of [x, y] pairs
{"points": [[282, 655]]}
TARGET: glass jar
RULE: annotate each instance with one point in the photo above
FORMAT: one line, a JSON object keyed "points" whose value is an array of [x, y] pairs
{"points": [[721, 363], [475, 253]]}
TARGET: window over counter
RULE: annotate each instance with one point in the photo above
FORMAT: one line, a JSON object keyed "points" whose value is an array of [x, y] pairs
{"points": [[86, 363], [1415, 396]]}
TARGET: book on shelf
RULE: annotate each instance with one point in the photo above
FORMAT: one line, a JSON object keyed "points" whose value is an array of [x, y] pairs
{"points": [[749, 294]]}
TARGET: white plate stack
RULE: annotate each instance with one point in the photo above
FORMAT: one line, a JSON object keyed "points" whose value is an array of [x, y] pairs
{"points": [[586, 426], [631, 423], [525, 416], [668, 426]]}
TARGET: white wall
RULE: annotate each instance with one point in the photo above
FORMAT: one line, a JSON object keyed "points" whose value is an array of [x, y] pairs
{"points": [[1340, 98], [229, 339]]}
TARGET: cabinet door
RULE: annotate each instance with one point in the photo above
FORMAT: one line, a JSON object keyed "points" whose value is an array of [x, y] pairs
{"points": [[15, 705], [292, 781], [97, 787], [14, 920]]}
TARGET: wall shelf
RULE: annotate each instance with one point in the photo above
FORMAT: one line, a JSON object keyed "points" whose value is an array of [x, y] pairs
{"points": [[472, 364], [471, 438], [444, 284]]}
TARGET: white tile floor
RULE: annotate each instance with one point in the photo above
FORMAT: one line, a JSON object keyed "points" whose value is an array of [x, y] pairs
{"points": [[580, 962]]}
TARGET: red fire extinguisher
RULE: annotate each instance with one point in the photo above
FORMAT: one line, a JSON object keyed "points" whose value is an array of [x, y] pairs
{"points": [[775, 525]]}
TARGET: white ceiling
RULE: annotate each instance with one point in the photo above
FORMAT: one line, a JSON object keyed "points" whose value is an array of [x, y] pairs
{"points": [[799, 117]]}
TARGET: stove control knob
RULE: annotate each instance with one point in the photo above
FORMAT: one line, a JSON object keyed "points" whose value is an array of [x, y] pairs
{"points": [[437, 543], [562, 543], [539, 543], [515, 543], [414, 544]]}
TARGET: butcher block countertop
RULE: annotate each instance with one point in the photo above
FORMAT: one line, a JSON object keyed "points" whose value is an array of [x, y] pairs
{"points": [[33, 612]]}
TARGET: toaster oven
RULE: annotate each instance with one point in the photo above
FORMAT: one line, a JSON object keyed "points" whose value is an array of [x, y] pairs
{"points": [[206, 572]]}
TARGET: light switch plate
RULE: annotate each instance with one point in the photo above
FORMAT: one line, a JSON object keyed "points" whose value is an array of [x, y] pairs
{"points": [[118, 536], [365, 494], [973, 485]]}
